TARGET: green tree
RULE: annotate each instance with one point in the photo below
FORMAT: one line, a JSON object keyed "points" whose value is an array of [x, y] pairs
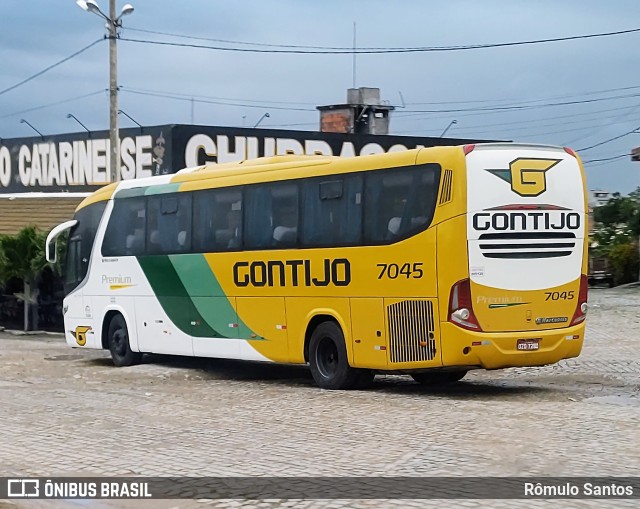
{"points": [[618, 229], [22, 257], [624, 263], [621, 210]]}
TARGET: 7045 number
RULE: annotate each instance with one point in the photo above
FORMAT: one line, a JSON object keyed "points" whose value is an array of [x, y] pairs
{"points": [[559, 295], [395, 270]]}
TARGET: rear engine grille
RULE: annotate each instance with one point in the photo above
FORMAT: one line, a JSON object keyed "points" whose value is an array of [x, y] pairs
{"points": [[411, 331], [445, 194], [527, 244]]}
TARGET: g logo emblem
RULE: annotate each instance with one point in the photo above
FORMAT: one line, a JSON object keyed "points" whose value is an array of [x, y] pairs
{"points": [[527, 176], [81, 334]]}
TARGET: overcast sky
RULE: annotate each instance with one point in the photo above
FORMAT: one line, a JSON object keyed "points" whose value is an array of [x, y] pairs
{"points": [[604, 71]]}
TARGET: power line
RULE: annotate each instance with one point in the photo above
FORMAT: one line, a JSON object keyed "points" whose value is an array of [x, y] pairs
{"points": [[206, 101], [523, 106], [592, 92], [190, 96], [609, 140], [49, 105], [227, 41], [605, 159], [420, 116], [348, 51], [291, 48], [617, 120], [299, 124], [40, 73], [533, 123]]}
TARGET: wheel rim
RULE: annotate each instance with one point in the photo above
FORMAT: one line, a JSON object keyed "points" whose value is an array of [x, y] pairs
{"points": [[120, 342], [327, 358]]}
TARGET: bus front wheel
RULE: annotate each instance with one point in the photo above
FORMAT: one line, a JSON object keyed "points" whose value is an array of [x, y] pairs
{"points": [[438, 377], [118, 337], [329, 363]]}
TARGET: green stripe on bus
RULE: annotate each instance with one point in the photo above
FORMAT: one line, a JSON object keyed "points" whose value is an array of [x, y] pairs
{"points": [[206, 293], [174, 298], [130, 193], [162, 189]]}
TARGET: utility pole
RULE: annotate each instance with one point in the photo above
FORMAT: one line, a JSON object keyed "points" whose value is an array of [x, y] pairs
{"points": [[114, 167], [113, 23]]}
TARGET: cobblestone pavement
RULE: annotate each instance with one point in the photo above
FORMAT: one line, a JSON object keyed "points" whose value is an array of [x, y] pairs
{"points": [[67, 412]]}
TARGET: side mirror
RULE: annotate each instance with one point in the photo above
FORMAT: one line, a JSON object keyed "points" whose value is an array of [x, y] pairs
{"points": [[50, 249]]}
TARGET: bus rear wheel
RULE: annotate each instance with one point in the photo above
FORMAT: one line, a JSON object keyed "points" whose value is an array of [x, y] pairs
{"points": [[436, 378], [329, 363], [118, 338]]}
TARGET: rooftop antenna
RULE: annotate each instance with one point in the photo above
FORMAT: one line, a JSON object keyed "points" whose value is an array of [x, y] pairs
{"points": [[354, 54], [401, 100]]}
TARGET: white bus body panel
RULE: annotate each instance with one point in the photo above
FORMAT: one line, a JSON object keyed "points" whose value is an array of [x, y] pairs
{"points": [[563, 195]]}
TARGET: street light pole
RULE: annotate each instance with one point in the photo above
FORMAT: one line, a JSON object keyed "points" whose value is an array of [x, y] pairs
{"points": [[132, 119], [113, 23], [71, 115], [23, 121], [447, 128], [266, 115]]}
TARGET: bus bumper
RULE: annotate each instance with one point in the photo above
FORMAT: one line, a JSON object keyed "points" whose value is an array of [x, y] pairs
{"points": [[491, 350]]}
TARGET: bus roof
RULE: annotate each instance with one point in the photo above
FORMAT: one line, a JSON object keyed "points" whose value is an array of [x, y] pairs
{"points": [[281, 167]]}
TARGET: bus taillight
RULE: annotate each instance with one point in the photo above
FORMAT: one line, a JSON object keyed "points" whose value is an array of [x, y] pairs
{"points": [[461, 306], [468, 149], [581, 308]]}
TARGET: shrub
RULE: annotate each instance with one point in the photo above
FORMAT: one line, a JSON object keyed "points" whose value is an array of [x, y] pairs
{"points": [[625, 262]]}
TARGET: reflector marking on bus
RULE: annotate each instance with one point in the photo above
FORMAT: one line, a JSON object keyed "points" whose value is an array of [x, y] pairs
{"points": [[281, 327], [522, 206]]}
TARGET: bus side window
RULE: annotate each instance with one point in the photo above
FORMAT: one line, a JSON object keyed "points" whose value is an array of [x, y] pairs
{"points": [[399, 201], [271, 215], [332, 211], [285, 214], [125, 234], [169, 223], [217, 223]]}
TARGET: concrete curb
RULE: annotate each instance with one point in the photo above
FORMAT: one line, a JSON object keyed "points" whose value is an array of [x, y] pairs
{"points": [[635, 284], [31, 333]]}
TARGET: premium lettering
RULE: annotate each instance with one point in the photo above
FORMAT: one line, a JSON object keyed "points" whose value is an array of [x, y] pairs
{"points": [[336, 272]]}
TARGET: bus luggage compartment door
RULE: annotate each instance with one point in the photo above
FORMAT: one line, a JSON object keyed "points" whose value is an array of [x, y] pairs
{"points": [[369, 333]]}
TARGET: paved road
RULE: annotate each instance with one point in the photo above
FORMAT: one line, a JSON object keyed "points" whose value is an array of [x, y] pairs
{"points": [[66, 412]]}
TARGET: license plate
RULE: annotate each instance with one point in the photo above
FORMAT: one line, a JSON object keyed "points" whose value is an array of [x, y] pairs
{"points": [[528, 344]]}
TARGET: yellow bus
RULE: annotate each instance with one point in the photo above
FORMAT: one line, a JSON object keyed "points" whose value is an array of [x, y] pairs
{"points": [[429, 262]]}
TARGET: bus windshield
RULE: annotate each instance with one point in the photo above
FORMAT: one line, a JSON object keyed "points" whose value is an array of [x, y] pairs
{"points": [[80, 243]]}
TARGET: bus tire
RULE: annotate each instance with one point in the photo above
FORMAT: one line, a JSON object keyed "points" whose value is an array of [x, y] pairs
{"points": [[438, 377], [328, 359], [118, 341]]}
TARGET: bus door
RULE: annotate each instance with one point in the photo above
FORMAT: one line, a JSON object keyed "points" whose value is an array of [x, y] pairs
{"points": [[77, 308]]}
